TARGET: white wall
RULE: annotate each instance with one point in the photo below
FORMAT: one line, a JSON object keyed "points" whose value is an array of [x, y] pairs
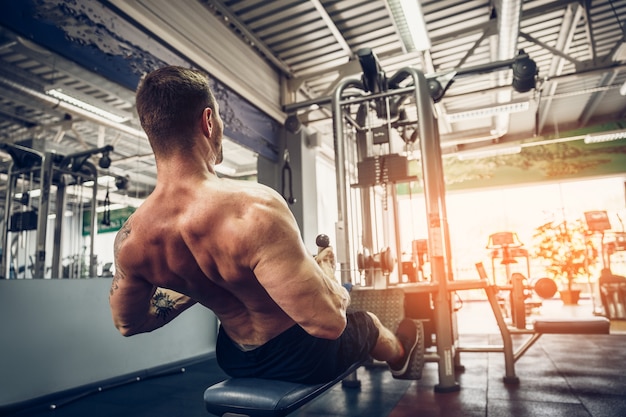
{"points": [[326, 198], [103, 247], [58, 334]]}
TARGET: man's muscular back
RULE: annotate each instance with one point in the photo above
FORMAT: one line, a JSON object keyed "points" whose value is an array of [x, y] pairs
{"points": [[232, 246]]}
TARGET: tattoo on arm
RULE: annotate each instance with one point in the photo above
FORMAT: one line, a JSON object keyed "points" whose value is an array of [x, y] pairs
{"points": [[114, 284], [119, 239], [163, 304]]}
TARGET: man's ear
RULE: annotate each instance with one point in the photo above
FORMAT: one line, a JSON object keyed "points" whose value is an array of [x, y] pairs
{"points": [[207, 123]]}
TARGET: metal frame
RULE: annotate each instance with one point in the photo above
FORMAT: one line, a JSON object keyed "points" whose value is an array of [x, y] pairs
{"points": [[434, 191], [439, 246], [51, 169]]}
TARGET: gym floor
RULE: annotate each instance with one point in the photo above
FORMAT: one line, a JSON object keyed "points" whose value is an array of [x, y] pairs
{"points": [[561, 375]]}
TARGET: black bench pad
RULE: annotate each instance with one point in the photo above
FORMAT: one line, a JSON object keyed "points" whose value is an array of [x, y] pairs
{"points": [[584, 325], [257, 397]]}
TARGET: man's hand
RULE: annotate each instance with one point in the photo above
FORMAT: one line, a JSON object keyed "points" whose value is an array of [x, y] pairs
{"points": [[326, 260]]}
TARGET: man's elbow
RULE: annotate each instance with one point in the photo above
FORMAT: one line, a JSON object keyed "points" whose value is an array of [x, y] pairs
{"points": [[335, 333], [330, 330], [126, 330]]}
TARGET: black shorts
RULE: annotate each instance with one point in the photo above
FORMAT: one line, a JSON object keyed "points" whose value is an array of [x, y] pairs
{"points": [[296, 356]]}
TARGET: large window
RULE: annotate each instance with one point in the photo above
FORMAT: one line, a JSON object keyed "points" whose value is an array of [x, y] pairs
{"points": [[476, 214]]}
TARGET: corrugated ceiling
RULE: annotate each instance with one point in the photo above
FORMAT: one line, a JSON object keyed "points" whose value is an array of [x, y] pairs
{"points": [[310, 45]]}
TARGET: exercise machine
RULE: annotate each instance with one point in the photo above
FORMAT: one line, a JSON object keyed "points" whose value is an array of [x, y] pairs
{"points": [[515, 293], [255, 397], [366, 112], [612, 287], [44, 181], [369, 167], [534, 331]]}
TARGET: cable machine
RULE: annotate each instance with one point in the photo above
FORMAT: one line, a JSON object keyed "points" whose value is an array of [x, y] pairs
{"points": [[43, 182], [386, 97], [369, 166]]}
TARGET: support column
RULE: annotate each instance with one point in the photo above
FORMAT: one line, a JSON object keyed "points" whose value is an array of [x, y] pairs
{"points": [[303, 163], [42, 218], [303, 183]]}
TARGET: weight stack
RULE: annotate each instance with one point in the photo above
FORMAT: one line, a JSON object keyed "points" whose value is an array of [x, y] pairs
{"points": [[383, 169]]}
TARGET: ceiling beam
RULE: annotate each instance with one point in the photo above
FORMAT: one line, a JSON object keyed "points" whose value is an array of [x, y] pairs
{"points": [[567, 31], [596, 98], [332, 27], [233, 19]]}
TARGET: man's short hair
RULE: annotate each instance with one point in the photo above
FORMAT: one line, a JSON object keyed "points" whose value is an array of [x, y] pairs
{"points": [[170, 102]]}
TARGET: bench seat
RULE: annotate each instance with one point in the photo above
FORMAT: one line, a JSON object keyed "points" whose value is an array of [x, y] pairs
{"points": [[578, 325], [255, 397]]}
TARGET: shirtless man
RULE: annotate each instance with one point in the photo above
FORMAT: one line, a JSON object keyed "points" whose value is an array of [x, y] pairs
{"points": [[235, 248]]}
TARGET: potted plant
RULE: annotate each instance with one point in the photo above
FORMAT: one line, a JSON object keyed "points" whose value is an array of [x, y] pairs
{"points": [[567, 251]]}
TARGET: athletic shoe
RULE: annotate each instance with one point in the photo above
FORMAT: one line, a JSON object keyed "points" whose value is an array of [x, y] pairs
{"points": [[410, 334]]}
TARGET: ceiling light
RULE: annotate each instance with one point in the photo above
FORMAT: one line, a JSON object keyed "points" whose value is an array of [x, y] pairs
{"points": [[66, 213], [116, 206], [489, 111], [34, 193], [409, 20], [102, 180], [510, 150], [605, 136], [58, 93]]}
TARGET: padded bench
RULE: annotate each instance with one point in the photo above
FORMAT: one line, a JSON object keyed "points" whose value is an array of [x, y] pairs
{"points": [[255, 397], [582, 325], [578, 325]]}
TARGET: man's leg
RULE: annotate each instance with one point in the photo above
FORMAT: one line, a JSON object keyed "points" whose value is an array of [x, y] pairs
{"points": [[403, 351], [388, 348]]}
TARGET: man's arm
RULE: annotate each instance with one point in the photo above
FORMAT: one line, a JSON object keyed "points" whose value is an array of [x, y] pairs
{"points": [[136, 305], [292, 277]]}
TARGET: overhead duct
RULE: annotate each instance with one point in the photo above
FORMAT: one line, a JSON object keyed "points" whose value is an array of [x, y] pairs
{"points": [[509, 14]]}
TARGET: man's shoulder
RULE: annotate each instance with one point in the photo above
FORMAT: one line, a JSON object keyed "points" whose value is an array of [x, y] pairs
{"points": [[250, 188], [123, 233], [252, 198]]}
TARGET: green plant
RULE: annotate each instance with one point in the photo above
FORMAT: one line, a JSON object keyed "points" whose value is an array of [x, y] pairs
{"points": [[566, 248]]}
